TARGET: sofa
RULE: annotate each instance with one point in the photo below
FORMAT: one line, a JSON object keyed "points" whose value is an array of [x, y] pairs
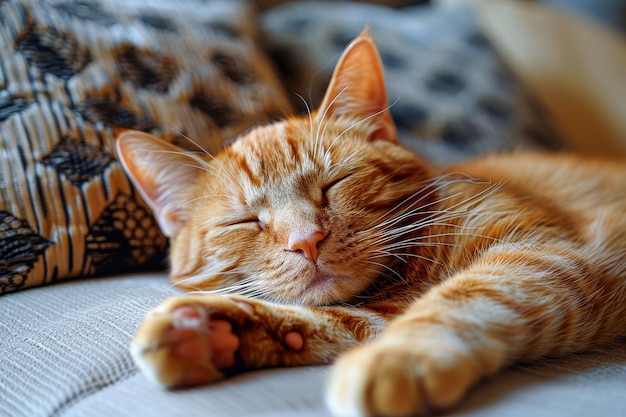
{"points": [[81, 260]]}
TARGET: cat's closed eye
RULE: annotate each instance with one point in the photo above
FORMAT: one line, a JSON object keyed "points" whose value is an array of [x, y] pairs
{"points": [[251, 221], [326, 189]]}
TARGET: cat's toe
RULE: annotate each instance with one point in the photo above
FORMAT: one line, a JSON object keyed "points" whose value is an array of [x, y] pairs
{"points": [[386, 380], [184, 347]]}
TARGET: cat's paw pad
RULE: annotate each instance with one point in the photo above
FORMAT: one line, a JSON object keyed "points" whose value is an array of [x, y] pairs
{"points": [[390, 380], [183, 346]]}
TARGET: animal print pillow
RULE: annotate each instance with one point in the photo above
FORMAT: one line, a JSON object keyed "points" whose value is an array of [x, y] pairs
{"points": [[72, 74], [451, 97]]}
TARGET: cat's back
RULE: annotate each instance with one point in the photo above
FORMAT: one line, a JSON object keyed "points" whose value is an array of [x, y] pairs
{"points": [[572, 204], [579, 183], [558, 200]]}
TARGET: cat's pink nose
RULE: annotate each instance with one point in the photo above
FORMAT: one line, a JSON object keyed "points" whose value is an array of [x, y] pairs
{"points": [[305, 243]]}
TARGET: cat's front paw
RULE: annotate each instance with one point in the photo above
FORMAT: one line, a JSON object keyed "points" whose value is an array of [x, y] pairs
{"points": [[186, 342], [391, 379]]}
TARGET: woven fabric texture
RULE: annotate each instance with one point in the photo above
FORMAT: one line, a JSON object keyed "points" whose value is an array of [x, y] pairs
{"points": [[71, 75], [62, 344]]}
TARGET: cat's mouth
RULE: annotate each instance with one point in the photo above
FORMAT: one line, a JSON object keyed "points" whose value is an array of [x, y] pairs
{"points": [[324, 288], [321, 281]]}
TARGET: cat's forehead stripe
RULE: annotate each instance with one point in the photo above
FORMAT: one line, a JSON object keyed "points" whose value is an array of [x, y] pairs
{"points": [[294, 149], [271, 153], [242, 163]]}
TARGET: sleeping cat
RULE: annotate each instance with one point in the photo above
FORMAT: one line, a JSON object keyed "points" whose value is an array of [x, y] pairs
{"points": [[320, 237]]}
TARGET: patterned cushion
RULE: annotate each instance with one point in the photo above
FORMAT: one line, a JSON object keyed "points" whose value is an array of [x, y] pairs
{"points": [[74, 73], [451, 96]]}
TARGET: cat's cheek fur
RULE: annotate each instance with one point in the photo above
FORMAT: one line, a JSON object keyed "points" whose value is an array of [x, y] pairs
{"points": [[185, 257]]}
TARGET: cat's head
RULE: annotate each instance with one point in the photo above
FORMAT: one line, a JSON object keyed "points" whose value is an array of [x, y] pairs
{"points": [[305, 210]]}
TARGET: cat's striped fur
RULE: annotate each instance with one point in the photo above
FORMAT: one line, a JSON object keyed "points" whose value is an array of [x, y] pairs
{"points": [[334, 238]]}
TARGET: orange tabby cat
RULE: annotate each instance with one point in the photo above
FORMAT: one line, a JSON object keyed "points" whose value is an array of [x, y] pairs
{"points": [[331, 237]]}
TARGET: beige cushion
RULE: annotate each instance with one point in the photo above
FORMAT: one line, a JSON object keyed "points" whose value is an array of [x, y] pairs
{"points": [[64, 352]]}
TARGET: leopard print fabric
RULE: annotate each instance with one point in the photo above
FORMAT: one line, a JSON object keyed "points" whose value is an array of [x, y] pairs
{"points": [[72, 74]]}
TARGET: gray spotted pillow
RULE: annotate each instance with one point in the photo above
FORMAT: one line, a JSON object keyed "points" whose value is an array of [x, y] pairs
{"points": [[72, 74], [451, 96]]}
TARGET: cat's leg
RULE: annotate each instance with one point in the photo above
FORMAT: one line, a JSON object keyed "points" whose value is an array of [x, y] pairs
{"points": [[191, 340], [511, 306]]}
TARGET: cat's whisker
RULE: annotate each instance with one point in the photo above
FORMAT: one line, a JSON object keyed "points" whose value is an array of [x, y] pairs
{"points": [[365, 119], [172, 289], [431, 215], [228, 172], [194, 143], [223, 271], [441, 183], [394, 234], [310, 116], [210, 276], [372, 272], [322, 119], [394, 217], [186, 203], [458, 210], [231, 170], [411, 209], [363, 296], [387, 227], [411, 255], [407, 245], [463, 231], [308, 111], [203, 164], [386, 267], [435, 219], [202, 168], [189, 154], [322, 123], [240, 288], [203, 278]]}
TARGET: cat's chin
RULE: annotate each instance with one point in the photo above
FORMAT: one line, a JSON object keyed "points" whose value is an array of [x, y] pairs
{"points": [[323, 288], [321, 281]]}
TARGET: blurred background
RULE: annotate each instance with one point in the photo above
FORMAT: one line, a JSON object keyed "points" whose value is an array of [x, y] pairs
{"points": [[563, 61], [610, 12]]}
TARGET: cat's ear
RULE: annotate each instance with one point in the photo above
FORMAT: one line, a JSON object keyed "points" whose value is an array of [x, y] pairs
{"points": [[357, 88], [163, 174]]}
